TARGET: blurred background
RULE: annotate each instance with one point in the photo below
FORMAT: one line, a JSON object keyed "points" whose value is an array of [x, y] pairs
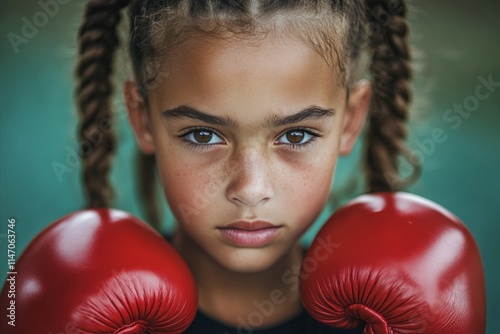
{"points": [[457, 50]]}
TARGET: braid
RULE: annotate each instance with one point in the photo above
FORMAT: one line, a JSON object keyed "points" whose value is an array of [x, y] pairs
{"points": [[391, 70], [98, 41]]}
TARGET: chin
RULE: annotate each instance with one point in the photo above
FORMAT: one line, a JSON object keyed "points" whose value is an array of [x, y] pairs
{"points": [[249, 260]]}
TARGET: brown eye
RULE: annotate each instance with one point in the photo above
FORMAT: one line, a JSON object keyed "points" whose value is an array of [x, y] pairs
{"points": [[202, 137], [295, 137]]}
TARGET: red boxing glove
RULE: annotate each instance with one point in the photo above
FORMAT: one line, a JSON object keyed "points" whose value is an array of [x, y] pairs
{"points": [[402, 264], [100, 271]]}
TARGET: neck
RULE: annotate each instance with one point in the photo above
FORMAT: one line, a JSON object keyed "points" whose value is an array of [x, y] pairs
{"points": [[232, 297]]}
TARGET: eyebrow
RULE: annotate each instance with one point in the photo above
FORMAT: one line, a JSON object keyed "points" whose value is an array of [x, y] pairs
{"points": [[191, 113], [309, 113], [312, 112]]}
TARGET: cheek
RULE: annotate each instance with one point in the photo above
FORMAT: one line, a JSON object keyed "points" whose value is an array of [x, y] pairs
{"points": [[191, 187], [307, 186]]}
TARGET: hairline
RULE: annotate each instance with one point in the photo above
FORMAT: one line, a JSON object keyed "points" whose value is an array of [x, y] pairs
{"points": [[306, 28]]}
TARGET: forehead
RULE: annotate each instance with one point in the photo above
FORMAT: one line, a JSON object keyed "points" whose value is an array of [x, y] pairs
{"points": [[211, 72]]}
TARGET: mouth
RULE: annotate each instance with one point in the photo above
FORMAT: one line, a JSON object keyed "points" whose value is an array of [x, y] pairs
{"points": [[250, 234]]}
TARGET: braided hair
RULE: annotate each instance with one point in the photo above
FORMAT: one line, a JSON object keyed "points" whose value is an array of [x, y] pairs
{"points": [[391, 71], [97, 42], [340, 30]]}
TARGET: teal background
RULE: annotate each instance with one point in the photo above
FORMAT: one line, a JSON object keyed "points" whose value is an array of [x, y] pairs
{"points": [[457, 41]]}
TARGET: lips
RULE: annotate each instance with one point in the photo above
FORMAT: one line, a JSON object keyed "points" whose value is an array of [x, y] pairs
{"points": [[250, 234], [250, 226]]}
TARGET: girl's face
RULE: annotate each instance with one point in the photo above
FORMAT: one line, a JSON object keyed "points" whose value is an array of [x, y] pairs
{"points": [[247, 131]]}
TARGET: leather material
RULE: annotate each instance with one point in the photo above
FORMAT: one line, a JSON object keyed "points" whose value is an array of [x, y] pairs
{"points": [[101, 271], [401, 263]]}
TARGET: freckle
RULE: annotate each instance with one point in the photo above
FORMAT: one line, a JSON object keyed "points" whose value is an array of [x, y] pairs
{"points": [[226, 170]]}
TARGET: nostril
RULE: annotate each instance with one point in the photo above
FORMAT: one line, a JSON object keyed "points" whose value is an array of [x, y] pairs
{"points": [[250, 200], [250, 186]]}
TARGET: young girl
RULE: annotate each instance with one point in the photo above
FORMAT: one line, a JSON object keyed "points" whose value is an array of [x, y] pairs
{"points": [[243, 107]]}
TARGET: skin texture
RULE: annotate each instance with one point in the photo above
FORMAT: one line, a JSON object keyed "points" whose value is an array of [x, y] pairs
{"points": [[246, 171]]}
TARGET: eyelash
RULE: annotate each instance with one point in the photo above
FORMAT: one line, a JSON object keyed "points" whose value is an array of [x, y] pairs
{"points": [[298, 147], [313, 133], [194, 145]]}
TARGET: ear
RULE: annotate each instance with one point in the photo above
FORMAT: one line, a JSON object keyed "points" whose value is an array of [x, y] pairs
{"points": [[358, 105], [138, 117]]}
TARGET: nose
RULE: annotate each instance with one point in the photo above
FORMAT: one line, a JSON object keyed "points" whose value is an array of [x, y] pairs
{"points": [[251, 179]]}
